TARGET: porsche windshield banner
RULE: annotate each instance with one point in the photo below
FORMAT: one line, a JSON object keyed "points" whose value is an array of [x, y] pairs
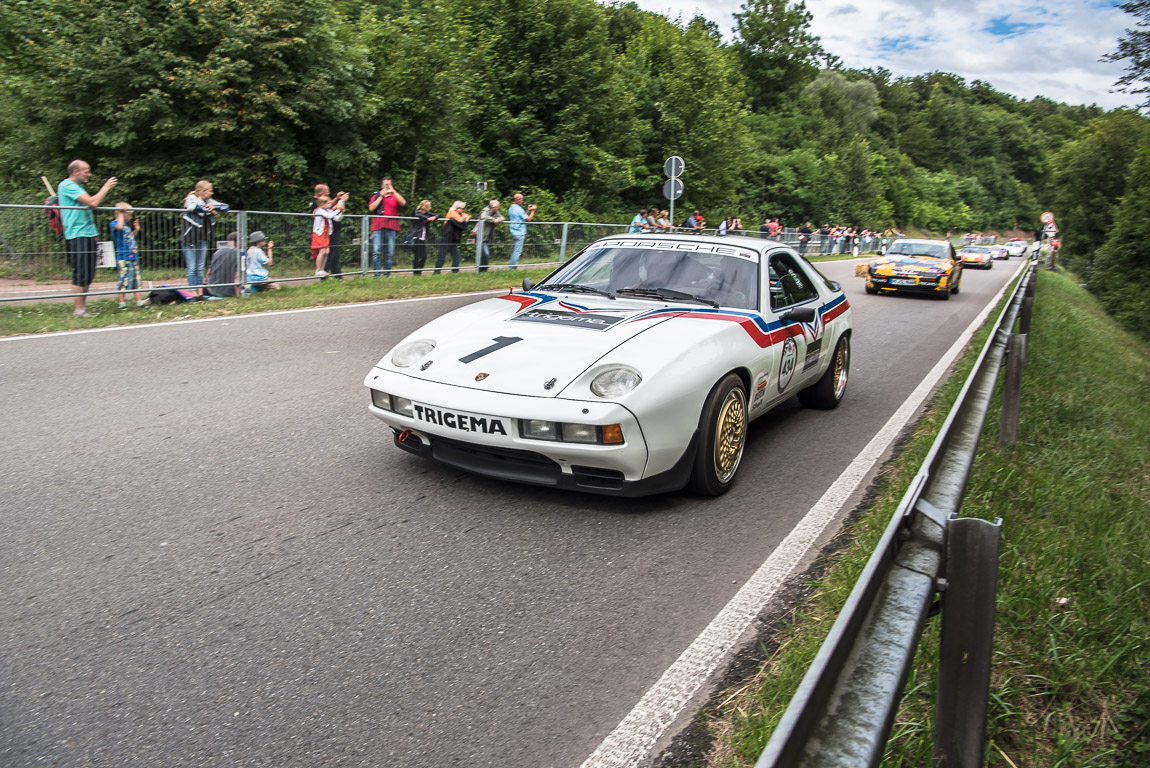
{"points": [[591, 322]]}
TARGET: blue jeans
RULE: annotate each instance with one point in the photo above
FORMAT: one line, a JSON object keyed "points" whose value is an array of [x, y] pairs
{"points": [[194, 257], [516, 249], [378, 238]]}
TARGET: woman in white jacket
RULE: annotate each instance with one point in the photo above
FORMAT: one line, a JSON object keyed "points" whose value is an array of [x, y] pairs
{"points": [[327, 210]]}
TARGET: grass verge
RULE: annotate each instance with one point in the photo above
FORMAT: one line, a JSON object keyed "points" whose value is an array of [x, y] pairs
{"points": [[44, 317], [1071, 675]]}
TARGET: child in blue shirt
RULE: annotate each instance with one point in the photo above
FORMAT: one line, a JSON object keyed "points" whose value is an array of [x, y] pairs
{"points": [[258, 263], [125, 228]]}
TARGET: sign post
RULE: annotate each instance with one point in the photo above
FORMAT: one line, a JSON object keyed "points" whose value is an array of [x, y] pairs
{"points": [[673, 187]]}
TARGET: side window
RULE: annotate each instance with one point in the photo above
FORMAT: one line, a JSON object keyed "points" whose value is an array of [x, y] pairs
{"points": [[789, 285]]}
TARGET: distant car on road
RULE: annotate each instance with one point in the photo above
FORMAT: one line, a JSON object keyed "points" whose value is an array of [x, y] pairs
{"points": [[916, 266], [1016, 247], [979, 256], [633, 369], [999, 252]]}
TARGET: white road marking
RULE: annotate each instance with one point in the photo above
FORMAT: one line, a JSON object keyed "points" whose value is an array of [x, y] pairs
{"points": [[662, 704], [228, 318]]}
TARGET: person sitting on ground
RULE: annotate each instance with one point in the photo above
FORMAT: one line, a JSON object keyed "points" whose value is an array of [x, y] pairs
{"points": [[224, 268], [258, 263]]}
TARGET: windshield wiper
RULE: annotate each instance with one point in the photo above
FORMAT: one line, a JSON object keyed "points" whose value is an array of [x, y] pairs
{"points": [[574, 288], [665, 293]]}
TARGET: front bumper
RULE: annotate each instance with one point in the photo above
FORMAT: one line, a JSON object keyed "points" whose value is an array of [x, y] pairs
{"points": [[909, 283], [504, 454]]}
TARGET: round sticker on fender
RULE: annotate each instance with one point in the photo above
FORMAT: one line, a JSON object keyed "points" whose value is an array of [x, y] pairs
{"points": [[787, 363]]}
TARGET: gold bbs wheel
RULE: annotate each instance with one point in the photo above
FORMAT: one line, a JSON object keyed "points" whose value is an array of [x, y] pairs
{"points": [[730, 435], [721, 438]]}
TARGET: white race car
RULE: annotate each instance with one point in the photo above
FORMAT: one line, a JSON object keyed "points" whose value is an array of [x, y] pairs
{"points": [[632, 369], [1016, 247]]}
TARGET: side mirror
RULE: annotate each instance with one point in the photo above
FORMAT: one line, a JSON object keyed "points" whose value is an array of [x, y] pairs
{"points": [[835, 285], [798, 315], [527, 284]]}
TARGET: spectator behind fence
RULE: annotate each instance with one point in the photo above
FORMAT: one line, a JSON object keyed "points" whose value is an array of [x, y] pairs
{"points": [[258, 263], [736, 226], [384, 206], [724, 226], [198, 222], [805, 233], [517, 216], [224, 268], [489, 219], [327, 212], [125, 229], [639, 223], [449, 236], [694, 222], [664, 221], [80, 228], [424, 218], [334, 265]]}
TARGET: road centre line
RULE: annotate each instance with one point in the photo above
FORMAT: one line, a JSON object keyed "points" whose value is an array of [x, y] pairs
{"points": [[226, 318], [665, 701]]}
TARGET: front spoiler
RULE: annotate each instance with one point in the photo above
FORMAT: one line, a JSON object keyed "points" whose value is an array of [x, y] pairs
{"points": [[536, 469]]}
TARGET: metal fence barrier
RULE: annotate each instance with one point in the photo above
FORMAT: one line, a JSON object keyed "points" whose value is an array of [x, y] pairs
{"points": [[842, 712]]}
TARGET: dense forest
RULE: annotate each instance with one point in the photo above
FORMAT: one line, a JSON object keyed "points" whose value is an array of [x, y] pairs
{"points": [[573, 102]]}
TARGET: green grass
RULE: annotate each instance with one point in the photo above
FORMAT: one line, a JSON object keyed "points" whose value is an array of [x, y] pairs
{"points": [[1071, 677], [44, 317]]}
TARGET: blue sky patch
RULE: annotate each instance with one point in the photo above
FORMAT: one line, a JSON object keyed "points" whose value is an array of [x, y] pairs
{"points": [[1003, 27], [904, 43]]}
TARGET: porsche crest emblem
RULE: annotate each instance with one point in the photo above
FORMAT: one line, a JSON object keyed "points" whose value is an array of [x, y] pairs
{"points": [[481, 376]]}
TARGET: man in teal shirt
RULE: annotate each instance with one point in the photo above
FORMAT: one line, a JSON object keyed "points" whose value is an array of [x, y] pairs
{"points": [[80, 228]]}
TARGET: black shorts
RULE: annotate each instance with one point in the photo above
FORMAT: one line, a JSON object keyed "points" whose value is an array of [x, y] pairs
{"points": [[82, 254]]}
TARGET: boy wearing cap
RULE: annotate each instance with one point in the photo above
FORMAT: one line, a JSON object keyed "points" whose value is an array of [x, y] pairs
{"points": [[258, 263], [125, 229]]}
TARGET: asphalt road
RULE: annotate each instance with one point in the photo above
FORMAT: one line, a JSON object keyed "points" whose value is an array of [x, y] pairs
{"points": [[212, 554]]}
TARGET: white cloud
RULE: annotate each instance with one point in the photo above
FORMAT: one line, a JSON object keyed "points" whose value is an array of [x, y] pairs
{"points": [[1051, 50]]}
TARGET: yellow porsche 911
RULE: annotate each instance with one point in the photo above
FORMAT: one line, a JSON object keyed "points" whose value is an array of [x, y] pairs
{"points": [[916, 266]]}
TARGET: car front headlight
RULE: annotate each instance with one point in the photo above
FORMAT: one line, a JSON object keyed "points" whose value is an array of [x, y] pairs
{"points": [[615, 382], [406, 355]]}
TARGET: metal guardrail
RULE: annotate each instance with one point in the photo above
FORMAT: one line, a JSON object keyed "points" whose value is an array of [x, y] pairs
{"points": [[842, 712]]}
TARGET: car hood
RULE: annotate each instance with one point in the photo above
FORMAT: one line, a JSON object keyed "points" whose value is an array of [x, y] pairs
{"points": [[528, 343], [900, 264]]}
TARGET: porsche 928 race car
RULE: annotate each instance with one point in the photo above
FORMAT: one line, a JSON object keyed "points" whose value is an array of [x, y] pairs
{"points": [[916, 266], [1016, 247], [981, 256], [633, 369]]}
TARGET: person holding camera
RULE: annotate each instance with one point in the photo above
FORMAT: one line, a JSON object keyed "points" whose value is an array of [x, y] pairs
{"points": [[200, 210], [517, 216], [384, 206], [334, 266], [449, 236], [80, 229]]}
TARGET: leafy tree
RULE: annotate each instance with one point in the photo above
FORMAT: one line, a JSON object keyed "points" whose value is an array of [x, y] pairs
{"points": [[1090, 178], [1121, 267], [1135, 48], [244, 92], [779, 55]]}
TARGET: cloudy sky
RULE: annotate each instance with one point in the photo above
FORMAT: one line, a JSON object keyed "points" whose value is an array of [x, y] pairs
{"points": [[1018, 46]]}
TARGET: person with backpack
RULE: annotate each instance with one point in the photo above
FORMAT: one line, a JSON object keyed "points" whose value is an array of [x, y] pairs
{"points": [[80, 229], [200, 211]]}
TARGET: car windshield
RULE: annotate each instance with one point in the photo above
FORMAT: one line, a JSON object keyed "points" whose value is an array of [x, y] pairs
{"points": [[976, 249], [660, 269], [933, 250]]}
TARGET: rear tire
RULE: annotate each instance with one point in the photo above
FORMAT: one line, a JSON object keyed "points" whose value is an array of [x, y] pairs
{"points": [[723, 432], [828, 391]]}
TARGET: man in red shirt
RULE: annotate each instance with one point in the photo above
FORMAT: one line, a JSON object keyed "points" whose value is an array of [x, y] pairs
{"points": [[384, 206]]}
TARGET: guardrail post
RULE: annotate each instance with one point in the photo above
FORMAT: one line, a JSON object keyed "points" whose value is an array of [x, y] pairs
{"points": [[968, 604], [1016, 350], [563, 245]]}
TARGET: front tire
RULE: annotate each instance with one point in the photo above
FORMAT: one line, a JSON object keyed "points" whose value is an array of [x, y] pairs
{"points": [[828, 391], [723, 431]]}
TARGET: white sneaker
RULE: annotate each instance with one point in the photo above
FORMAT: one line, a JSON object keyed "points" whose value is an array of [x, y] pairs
{"points": [[320, 273]]}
